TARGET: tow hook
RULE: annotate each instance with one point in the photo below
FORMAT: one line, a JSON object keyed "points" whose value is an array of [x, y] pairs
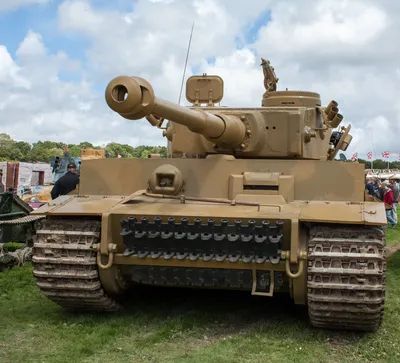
{"points": [[112, 248], [285, 255]]}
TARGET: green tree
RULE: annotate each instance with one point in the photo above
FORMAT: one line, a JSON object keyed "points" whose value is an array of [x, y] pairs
{"points": [[143, 151], [51, 153], [380, 164], [145, 154], [15, 154], [24, 147], [5, 140], [365, 162], [9, 150], [74, 150], [114, 149], [162, 150], [44, 151], [85, 145]]}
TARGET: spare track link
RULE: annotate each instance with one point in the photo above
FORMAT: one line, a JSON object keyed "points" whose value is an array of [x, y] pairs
{"points": [[65, 265], [251, 242], [346, 277]]}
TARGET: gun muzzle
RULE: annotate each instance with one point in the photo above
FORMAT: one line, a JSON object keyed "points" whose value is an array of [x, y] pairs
{"points": [[131, 97]]}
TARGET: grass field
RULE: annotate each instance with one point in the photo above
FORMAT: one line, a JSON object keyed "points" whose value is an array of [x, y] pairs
{"points": [[167, 325]]}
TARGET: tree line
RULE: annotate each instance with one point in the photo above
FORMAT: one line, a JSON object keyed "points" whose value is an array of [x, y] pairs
{"points": [[44, 151], [380, 164]]}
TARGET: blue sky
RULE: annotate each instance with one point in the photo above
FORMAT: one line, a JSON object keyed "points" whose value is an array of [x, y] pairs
{"points": [[251, 29], [42, 18]]}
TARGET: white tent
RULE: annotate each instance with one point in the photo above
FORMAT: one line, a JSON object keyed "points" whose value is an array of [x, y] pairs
{"points": [[382, 174], [29, 174]]}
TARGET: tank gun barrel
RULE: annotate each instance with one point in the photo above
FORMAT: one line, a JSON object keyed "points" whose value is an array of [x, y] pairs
{"points": [[133, 98]]}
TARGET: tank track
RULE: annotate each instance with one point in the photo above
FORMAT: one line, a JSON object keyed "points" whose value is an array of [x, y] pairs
{"points": [[346, 277], [65, 265]]}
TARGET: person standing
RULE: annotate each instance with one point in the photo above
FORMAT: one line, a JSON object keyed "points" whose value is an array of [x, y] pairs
{"points": [[395, 189], [388, 201], [67, 183], [376, 188], [1, 182], [370, 187]]}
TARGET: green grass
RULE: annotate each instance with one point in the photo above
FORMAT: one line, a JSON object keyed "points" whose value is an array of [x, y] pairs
{"points": [[13, 246], [168, 325]]}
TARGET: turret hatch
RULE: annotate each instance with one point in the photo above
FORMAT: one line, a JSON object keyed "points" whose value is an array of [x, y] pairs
{"points": [[204, 89]]}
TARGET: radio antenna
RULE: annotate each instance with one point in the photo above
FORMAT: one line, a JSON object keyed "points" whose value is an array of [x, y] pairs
{"points": [[184, 68]]}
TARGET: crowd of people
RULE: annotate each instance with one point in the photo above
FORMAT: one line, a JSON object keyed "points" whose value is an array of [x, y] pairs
{"points": [[388, 192]]}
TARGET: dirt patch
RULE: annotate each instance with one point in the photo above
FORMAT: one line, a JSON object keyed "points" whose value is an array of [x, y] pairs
{"points": [[392, 249]]}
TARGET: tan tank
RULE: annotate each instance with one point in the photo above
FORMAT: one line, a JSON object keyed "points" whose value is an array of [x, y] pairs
{"points": [[248, 199]]}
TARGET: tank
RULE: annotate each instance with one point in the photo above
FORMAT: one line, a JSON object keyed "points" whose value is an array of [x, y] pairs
{"points": [[15, 222], [248, 198]]}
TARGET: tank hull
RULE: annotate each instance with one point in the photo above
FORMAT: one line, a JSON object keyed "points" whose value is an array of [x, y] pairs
{"points": [[251, 230]]}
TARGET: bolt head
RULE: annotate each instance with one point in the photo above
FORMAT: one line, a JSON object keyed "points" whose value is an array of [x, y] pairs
{"points": [[243, 118]]}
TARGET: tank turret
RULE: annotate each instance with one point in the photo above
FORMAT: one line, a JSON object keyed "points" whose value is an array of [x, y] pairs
{"points": [[290, 124]]}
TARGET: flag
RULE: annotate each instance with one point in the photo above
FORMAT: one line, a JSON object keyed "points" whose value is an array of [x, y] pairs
{"points": [[385, 154], [354, 157], [369, 155]]}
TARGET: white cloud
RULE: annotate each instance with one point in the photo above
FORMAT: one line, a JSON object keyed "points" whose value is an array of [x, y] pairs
{"points": [[139, 41], [325, 27], [31, 48], [162, 1], [344, 50], [243, 78], [13, 4], [46, 107], [10, 72]]}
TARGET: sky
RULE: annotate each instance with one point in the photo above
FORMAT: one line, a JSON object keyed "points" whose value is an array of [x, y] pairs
{"points": [[57, 57]]}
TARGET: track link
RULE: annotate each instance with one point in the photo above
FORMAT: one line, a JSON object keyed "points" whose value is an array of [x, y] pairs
{"points": [[65, 265], [346, 277]]}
